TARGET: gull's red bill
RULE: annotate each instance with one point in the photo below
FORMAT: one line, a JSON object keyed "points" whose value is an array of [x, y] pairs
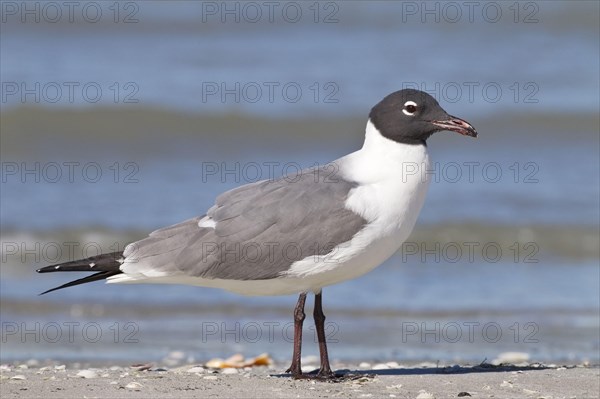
{"points": [[457, 125]]}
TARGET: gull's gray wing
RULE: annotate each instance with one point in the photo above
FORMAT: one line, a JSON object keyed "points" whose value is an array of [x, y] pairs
{"points": [[256, 231]]}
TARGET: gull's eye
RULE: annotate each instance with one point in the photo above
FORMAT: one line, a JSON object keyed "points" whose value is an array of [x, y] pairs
{"points": [[410, 107]]}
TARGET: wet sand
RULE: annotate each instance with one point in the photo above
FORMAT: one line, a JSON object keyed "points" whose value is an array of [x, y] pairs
{"points": [[391, 380]]}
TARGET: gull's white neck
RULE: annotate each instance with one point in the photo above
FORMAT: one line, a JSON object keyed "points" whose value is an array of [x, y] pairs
{"points": [[383, 159], [391, 178]]}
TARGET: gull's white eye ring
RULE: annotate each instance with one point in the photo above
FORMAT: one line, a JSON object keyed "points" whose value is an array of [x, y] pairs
{"points": [[410, 107]]}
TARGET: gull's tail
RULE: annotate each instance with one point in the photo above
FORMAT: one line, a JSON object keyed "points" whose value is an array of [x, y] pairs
{"points": [[104, 265]]}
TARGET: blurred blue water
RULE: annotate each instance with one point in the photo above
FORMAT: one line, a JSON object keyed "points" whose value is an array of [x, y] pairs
{"points": [[175, 52]]}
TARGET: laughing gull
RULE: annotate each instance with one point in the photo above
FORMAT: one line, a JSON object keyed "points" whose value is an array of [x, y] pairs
{"points": [[295, 235]]}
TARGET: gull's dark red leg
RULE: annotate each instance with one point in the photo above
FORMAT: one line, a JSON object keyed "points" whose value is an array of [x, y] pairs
{"points": [[296, 367], [325, 370]]}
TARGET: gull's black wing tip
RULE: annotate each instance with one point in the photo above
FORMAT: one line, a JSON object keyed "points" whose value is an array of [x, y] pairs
{"points": [[88, 279]]}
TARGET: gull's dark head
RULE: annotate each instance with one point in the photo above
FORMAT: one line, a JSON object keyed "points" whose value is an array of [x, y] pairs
{"points": [[410, 116]]}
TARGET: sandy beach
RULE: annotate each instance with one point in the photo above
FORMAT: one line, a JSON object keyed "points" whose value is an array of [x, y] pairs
{"points": [[368, 380]]}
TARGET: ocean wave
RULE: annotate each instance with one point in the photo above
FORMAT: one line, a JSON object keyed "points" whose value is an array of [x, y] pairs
{"points": [[130, 122]]}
